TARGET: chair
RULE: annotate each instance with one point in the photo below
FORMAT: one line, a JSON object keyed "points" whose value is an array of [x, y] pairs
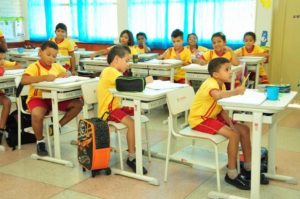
{"points": [[21, 110], [90, 98], [179, 101]]}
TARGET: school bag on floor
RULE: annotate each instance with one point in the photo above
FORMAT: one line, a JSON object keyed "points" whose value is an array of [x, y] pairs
{"points": [[94, 145]]}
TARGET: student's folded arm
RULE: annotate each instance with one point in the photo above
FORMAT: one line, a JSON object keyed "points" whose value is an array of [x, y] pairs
{"points": [[27, 79]]}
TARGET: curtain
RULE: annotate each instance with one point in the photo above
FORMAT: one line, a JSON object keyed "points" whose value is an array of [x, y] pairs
{"points": [[158, 18]]}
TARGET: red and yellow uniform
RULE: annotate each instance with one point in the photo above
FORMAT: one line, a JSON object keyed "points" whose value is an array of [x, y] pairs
{"points": [[106, 101], [200, 48], [8, 64], [204, 111], [65, 47], [256, 50], [185, 56], [39, 69], [211, 54]]}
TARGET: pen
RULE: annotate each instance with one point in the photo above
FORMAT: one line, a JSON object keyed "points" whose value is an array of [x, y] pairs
{"points": [[245, 79]]}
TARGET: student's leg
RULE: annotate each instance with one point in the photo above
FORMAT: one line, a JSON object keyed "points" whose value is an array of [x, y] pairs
{"points": [[244, 132], [233, 145], [129, 122], [37, 118], [72, 109], [5, 102]]}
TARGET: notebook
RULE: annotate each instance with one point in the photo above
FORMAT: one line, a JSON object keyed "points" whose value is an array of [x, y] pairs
{"points": [[69, 79], [251, 96], [163, 85]]}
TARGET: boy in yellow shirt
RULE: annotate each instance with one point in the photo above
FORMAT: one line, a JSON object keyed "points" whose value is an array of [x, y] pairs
{"points": [[207, 116], [142, 47], [65, 46], [117, 59], [178, 52], [4, 100], [46, 70]]}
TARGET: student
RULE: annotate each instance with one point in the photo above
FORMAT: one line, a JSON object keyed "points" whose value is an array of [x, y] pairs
{"points": [[219, 50], [178, 52], [65, 46], [207, 116], [4, 100], [3, 43], [117, 59], [196, 50], [250, 49], [46, 70], [142, 46], [126, 39]]}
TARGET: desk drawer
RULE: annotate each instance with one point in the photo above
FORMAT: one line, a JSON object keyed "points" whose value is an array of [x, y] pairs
{"points": [[267, 119], [160, 73], [69, 95], [94, 68], [139, 71], [196, 76], [10, 84], [146, 105]]}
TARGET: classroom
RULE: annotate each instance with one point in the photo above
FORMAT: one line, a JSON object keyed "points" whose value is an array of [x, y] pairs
{"points": [[142, 99]]}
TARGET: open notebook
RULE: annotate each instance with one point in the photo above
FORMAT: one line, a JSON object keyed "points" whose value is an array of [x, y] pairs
{"points": [[69, 79], [162, 85], [250, 96]]}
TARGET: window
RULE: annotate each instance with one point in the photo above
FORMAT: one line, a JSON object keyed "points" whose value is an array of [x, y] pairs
{"points": [[158, 18], [88, 21]]}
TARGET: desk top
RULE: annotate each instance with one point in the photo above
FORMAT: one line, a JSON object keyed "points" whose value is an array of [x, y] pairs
{"points": [[36, 57], [266, 106], [203, 68], [96, 61], [252, 59], [158, 64], [84, 53]]}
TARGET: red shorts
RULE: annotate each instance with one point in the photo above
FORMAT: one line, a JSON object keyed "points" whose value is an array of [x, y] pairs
{"points": [[67, 66], [211, 126], [118, 114], [46, 103]]}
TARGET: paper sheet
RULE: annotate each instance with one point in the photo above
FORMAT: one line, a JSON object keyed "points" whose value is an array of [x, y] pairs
{"points": [[165, 61], [14, 72], [249, 97], [162, 85], [69, 79]]}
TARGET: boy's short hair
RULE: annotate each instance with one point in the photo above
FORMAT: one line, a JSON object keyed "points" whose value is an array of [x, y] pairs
{"points": [[215, 64], [219, 34], [177, 33], [130, 37], [2, 50], [49, 44], [141, 34], [61, 26], [117, 50], [252, 34]]}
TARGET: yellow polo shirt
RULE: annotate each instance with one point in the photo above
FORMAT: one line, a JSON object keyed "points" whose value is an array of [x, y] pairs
{"points": [[211, 54], [204, 106], [65, 47], [105, 98]]}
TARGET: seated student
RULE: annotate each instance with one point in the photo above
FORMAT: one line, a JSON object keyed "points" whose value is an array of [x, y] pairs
{"points": [[250, 49], [46, 70], [4, 101], [3, 43], [196, 50], [178, 52], [219, 50], [65, 46], [142, 46], [207, 116], [117, 59], [126, 39]]}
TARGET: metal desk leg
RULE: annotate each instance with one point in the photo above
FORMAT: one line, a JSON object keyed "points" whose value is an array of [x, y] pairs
{"points": [[257, 75], [172, 72]]}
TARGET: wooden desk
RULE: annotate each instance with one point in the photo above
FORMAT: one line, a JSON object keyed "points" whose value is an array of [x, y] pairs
{"points": [[199, 72], [160, 68], [253, 64], [57, 93], [257, 119]]}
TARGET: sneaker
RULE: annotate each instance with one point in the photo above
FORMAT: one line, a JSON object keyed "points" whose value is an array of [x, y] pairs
{"points": [[247, 174], [41, 149], [239, 182], [132, 165]]}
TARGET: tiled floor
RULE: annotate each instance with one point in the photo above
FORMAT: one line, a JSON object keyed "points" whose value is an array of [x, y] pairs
{"points": [[23, 177]]}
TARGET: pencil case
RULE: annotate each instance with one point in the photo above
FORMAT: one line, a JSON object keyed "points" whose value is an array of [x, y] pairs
{"points": [[130, 84]]}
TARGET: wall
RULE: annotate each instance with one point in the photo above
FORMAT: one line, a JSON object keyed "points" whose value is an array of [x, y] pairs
{"points": [[263, 20]]}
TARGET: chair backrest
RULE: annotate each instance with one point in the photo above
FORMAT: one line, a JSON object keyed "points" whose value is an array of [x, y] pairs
{"points": [[89, 92], [25, 89], [180, 100]]}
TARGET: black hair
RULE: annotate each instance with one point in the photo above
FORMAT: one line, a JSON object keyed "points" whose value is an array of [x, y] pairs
{"points": [[2, 50], [177, 33], [130, 37], [61, 26], [215, 64], [117, 50], [219, 34], [49, 44], [195, 36], [252, 34], [141, 34]]}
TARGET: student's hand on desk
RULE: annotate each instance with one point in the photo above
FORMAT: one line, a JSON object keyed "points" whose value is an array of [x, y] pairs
{"points": [[49, 78], [240, 90], [149, 79]]}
